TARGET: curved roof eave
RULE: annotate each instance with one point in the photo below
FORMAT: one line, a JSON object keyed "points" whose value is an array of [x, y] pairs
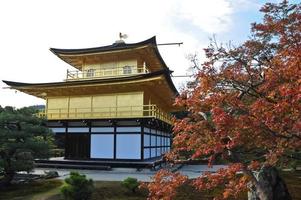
{"points": [[164, 72], [114, 47]]}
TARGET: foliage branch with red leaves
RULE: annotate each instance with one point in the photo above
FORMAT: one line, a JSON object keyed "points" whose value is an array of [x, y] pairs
{"points": [[244, 107]]}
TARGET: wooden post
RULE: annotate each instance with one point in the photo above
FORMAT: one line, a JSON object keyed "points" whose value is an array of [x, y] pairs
{"points": [[91, 113]]}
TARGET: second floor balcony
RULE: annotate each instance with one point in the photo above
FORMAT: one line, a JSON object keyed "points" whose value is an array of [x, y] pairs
{"points": [[145, 111], [97, 73]]}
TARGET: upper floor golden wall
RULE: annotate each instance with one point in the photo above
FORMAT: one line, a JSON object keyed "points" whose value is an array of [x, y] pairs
{"points": [[106, 106], [108, 69]]}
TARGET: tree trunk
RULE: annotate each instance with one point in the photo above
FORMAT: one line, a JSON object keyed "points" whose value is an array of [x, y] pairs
{"points": [[270, 186]]}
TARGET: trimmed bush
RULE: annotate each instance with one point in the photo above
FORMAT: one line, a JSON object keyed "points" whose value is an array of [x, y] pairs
{"points": [[77, 187], [131, 184], [58, 152]]}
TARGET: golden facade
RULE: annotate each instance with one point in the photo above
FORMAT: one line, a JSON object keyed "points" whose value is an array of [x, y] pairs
{"points": [[120, 82]]}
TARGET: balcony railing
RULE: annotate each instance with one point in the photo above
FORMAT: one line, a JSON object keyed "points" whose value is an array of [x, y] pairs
{"points": [[144, 111], [105, 73]]}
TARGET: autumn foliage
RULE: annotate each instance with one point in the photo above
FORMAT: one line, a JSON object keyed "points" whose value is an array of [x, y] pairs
{"points": [[163, 185], [244, 107]]}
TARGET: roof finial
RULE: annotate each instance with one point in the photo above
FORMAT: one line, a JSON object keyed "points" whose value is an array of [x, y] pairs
{"points": [[122, 36]]}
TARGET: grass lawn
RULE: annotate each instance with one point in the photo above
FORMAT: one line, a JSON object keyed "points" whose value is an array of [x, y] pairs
{"points": [[50, 190]]}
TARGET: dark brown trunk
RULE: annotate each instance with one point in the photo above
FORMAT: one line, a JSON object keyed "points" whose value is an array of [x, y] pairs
{"points": [[269, 186]]}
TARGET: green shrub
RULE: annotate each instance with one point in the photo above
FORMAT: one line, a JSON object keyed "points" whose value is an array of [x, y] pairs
{"points": [[57, 152], [130, 183], [77, 187]]}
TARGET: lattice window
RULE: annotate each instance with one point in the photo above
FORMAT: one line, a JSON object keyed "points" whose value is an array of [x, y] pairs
{"points": [[127, 70], [90, 72]]}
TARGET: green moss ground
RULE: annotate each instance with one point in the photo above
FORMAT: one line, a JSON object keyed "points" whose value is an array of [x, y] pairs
{"points": [[28, 191]]}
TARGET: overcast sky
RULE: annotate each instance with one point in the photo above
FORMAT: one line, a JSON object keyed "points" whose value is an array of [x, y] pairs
{"points": [[30, 27]]}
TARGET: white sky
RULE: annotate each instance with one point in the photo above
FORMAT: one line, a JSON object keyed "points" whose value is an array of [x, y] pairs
{"points": [[30, 27]]}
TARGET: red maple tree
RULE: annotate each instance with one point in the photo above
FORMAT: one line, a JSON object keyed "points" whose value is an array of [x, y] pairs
{"points": [[244, 107]]}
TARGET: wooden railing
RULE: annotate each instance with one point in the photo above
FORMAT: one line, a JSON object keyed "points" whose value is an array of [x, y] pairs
{"points": [[144, 111], [105, 73]]}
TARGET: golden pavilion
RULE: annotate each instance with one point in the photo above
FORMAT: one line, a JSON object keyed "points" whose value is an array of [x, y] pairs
{"points": [[114, 105]]}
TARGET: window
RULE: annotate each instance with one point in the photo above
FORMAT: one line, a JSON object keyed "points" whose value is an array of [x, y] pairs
{"points": [[147, 153], [146, 140], [128, 146], [127, 70], [90, 72], [102, 146]]}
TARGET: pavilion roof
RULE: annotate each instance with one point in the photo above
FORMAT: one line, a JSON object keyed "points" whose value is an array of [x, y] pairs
{"points": [[75, 57]]}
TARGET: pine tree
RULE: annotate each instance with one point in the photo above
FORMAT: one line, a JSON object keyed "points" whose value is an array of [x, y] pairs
{"points": [[23, 137]]}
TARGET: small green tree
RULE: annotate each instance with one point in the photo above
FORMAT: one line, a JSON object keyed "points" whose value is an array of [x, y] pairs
{"points": [[131, 184], [77, 187], [23, 137]]}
